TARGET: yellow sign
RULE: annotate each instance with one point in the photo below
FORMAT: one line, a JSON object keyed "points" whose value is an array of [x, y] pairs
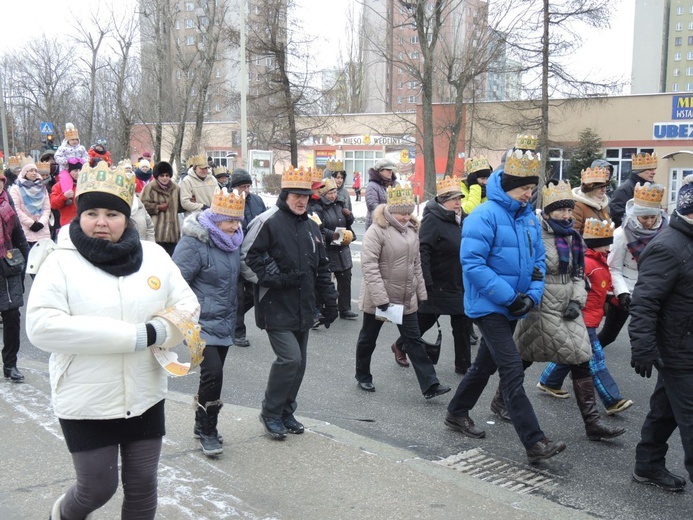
{"points": [[404, 156]]}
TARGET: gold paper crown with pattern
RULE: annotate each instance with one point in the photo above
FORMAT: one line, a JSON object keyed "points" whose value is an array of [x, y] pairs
{"points": [[299, 178], [475, 164], [16, 161], [198, 160], [400, 194], [43, 167], [231, 204], [102, 179], [519, 164], [71, 132], [595, 228], [556, 192], [649, 195], [220, 170], [645, 161], [335, 166], [526, 142], [316, 176], [448, 185], [596, 175]]}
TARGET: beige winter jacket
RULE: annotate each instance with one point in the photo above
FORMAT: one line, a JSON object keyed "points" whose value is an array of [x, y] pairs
{"points": [[391, 265], [196, 193], [544, 335]]}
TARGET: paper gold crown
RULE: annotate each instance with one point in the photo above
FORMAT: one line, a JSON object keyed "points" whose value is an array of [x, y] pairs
{"points": [[102, 179], [595, 228], [71, 132], [645, 161], [475, 164], [299, 178], [649, 195], [316, 176], [556, 192], [219, 170], [197, 160], [520, 164], [448, 185], [526, 142], [231, 204], [335, 166], [596, 175], [15, 161], [43, 167], [400, 194]]}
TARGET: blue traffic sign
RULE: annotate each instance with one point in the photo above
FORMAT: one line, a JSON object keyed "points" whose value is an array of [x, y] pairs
{"points": [[46, 127]]}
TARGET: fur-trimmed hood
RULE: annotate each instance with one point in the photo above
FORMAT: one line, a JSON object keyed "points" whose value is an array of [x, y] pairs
{"points": [[193, 228], [579, 196], [380, 220]]}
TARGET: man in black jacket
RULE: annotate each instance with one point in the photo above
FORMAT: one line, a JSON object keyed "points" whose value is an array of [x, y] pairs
{"points": [[661, 335], [254, 205], [644, 169], [285, 253]]}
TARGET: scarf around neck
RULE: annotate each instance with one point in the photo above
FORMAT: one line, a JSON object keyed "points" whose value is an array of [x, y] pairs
{"points": [[8, 219], [32, 195], [219, 238], [637, 237], [563, 229], [120, 259], [402, 228]]}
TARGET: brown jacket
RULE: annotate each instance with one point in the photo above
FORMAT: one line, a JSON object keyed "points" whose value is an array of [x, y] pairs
{"points": [[391, 265], [166, 224], [587, 207]]}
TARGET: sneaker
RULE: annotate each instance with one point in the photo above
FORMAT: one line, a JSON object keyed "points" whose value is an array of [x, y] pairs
{"points": [[544, 449], [660, 478], [436, 390], [558, 393], [464, 425], [623, 404]]}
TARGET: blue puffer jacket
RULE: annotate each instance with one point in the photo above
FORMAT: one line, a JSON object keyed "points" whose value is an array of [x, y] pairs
{"points": [[501, 245]]}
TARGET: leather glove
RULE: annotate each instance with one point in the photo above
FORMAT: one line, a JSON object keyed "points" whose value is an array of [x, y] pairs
{"points": [[384, 307], [521, 305], [537, 275], [36, 226], [572, 311], [624, 301], [643, 367], [329, 314], [471, 179]]}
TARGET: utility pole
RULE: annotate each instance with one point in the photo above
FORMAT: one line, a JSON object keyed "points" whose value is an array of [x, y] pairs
{"points": [[244, 88], [3, 120]]}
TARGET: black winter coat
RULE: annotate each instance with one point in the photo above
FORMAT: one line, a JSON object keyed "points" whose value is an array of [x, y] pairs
{"points": [[439, 244], [279, 247], [621, 195], [12, 290], [254, 205], [661, 323], [332, 217]]}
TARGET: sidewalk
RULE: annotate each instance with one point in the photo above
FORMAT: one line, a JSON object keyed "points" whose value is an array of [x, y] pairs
{"points": [[326, 473]]}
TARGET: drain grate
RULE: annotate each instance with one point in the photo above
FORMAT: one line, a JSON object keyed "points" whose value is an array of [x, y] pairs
{"points": [[505, 474]]}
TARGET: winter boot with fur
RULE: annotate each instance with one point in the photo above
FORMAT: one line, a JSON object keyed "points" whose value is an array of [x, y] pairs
{"points": [[209, 438], [595, 428], [199, 411]]}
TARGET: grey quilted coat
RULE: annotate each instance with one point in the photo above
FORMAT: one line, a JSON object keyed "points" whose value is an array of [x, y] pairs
{"points": [[391, 266], [544, 335]]}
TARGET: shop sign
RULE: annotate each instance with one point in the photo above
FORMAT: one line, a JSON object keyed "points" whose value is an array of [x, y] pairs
{"points": [[682, 107], [322, 156], [673, 130]]}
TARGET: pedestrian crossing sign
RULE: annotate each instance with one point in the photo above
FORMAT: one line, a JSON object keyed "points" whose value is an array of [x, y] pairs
{"points": [[45, 127]]}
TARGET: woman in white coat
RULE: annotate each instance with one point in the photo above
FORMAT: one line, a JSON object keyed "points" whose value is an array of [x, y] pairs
{"points": [[92, 307]]}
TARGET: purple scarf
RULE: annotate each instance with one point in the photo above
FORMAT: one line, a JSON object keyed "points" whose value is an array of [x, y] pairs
{"points": [[563, 229], [219, 238]]}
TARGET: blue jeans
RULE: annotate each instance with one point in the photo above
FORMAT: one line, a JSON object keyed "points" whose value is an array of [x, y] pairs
{"points": [[671, 406], [497, 351], [554, 374]]}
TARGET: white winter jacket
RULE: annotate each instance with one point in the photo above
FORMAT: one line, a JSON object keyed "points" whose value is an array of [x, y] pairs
{"points": [[87, 319]]}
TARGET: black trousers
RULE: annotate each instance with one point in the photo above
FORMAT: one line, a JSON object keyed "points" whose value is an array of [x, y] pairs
{"points": [[10, 337], [211, 374], [613, 323], [246, 302], [286, 374], [344, 288], [461, 327]]}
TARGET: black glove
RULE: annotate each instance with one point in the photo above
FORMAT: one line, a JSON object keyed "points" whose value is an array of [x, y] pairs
{"points": [[521, 305], [572, 311], [36, 226], [643, 367], [537, 275], [292, 278], [471, 179], [384, 307], [329, 314], [624, 301]]}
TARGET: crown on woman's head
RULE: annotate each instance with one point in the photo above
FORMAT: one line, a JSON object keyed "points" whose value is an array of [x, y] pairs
{"points": [[400, 194], [43, 167], [645, 161], [596, 175], [16, 161], [595, 228], [519, 164], [448, 185], [526, 142], [475, 164], [101, 178], [554, 193], [335, 166], [299, 178], [229, 203], [649, 195]]}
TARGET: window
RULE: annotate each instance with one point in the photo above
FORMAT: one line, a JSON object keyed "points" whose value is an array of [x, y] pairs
{"points": [[399, 100], [399, 72], [677, 56], [676, 175], [189, 40], [414, 39], [413, 84], [258, 60], [217, 107], [189, 23], [414, 55], [179, 74], [400, 84], [360, 160], [678, 41], [690, 40], [411, 99], [674, 87], [556, 163], [690, 24], [689, 56], [677, 72], [689, 71], [621, 159], [679, 26], [689, 86], [679, 10], [177, 25], [217, 73], [189, 6], [268, 61]]}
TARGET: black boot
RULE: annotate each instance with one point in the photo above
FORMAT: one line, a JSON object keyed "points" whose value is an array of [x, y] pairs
{"points": [[498, 406], [198, 425], [595, 428], [209, 438]]}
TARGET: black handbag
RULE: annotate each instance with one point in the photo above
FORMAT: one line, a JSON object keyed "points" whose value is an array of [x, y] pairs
{"points": [[433, 349], [12, 263]]}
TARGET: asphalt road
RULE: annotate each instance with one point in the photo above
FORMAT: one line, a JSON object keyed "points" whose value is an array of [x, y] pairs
{"points": [[590, 476]]}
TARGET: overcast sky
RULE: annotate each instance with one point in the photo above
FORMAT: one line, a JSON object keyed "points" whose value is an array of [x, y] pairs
{"points": [[606, 53]]}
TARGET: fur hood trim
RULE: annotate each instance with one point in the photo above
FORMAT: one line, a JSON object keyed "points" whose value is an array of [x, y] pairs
{"points": [[380, 220], [192, 228], [579, 196]]}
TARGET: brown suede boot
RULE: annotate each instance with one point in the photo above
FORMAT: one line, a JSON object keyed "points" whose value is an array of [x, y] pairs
{"points": [[595, 428], [400, 357]]}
